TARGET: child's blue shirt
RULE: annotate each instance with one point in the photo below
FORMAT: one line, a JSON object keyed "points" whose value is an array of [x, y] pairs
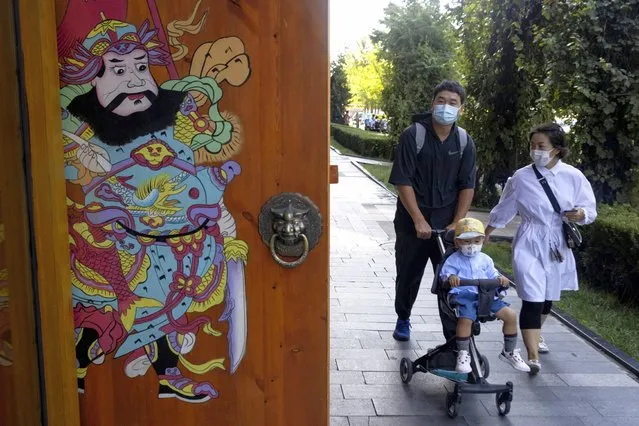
{"points": [[480, 266]]}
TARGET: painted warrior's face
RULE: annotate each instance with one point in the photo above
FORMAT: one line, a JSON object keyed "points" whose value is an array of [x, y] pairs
{"points": [[126, 86]]}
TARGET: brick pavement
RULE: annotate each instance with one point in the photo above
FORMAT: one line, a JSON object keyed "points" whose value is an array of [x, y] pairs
{"points": [[578, 385]]}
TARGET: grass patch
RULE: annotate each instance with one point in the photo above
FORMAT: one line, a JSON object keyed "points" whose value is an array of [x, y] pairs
{"points": [[595, 309], [500, 252], [605, 315], [381, 172], [341, 148]]}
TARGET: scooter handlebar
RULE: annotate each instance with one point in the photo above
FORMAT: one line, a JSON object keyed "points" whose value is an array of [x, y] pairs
{"points": [[438, 232], [440, 235], [490, 284]]}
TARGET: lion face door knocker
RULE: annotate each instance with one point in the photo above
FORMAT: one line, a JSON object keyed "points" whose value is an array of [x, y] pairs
{"points": [[291, 226]]}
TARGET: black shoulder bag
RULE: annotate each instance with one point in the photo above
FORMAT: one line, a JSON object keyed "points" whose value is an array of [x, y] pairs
{"points": [[571, 232]]}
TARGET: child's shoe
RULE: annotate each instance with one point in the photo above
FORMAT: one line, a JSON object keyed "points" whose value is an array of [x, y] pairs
{"points": [[515, 360], [463, 362]]}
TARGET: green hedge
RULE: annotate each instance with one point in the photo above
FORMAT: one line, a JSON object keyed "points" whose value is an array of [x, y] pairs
{"points": [[609, 257], [364, 143]]}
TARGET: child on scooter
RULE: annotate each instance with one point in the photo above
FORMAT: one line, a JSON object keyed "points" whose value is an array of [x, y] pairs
{"points": [[468, 262]]}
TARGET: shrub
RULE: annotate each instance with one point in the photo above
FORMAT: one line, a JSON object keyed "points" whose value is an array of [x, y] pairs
{"points": [[609, 257], [366, 144]]}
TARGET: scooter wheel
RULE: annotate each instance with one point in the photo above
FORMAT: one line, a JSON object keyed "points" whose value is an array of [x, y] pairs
{"points": [[406, 370], [485, 366], [503, 403], [452, 404]]}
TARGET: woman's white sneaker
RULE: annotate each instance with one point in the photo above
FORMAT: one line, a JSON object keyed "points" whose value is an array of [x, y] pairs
{"points": [[515, 360], [535, 366], [463, 362], [542, 347]]}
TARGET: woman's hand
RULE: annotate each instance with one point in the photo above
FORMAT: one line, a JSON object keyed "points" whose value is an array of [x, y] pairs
{"points": [[576, 215], [487, 232]]}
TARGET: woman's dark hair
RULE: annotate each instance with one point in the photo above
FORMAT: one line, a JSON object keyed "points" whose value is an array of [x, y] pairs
{"points": [[555, 134], [450, 86]]}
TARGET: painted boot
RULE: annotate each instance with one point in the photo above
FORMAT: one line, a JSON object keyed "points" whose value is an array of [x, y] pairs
{"points": [[174, 385]]}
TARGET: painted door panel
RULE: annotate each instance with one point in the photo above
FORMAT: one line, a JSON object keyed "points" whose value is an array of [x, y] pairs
{"points": [[180, 120]]}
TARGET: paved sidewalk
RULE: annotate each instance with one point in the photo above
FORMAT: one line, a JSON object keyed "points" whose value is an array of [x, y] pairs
{"points": [[578, 384]]}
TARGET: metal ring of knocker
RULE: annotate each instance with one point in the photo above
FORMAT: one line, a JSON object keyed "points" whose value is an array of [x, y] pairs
{"points": [[284, 263]]}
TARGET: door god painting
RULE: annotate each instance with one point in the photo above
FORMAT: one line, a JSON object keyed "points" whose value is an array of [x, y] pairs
{"points": [[153, 247]]}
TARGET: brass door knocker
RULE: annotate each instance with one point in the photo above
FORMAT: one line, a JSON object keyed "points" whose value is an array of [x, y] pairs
{"points": [[290, 225]]}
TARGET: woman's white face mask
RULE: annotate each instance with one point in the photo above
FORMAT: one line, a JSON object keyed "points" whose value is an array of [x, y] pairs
{"points": [[540, 157]]}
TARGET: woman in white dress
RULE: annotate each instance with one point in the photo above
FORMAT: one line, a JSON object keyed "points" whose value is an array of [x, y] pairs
{"points": [[543, 264]]}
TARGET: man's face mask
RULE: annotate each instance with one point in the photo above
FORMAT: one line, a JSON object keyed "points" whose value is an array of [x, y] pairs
{"points": [[445, 114], [470, 250]]}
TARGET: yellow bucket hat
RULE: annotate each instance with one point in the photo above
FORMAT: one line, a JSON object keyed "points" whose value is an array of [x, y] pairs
{"points": [[469, 228]]}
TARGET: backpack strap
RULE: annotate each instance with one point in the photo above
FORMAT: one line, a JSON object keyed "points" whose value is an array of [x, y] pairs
{"points": [[463, 140], [420, 136]]}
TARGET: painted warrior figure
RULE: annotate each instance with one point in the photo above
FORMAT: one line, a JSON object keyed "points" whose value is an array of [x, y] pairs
{"points": [[153, 247]]}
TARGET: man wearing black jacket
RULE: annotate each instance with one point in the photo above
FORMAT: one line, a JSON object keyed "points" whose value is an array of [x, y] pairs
{"points": [[435, 179]]}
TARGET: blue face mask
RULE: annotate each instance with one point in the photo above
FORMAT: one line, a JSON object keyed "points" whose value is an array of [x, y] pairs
{"points": [[445, 114]]}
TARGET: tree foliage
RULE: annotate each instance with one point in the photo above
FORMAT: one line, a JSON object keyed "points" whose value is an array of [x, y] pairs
{"points": [[417, 50], [340, 92], [522, 62], [502, 71], [592, 61], [364, 71], [528, 61]]}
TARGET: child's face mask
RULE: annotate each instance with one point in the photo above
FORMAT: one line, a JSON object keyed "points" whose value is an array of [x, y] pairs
{"points": [[470, 250]]}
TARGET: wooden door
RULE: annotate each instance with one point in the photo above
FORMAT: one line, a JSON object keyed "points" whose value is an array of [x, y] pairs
{"points": [[180, 121], [19, 372], [31, 376]]}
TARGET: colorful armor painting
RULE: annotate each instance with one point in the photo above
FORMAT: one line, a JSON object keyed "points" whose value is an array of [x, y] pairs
{"points": [[153, 246]]}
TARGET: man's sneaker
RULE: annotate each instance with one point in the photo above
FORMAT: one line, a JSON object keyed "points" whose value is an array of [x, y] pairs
{"points": [[535, 366], [463, 362], [543, 347], [515, 360], [402, 330]]}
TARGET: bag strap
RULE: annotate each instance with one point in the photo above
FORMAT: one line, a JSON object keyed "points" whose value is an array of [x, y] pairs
{"points": [[544, 184], [420, 138], [463, 141]]}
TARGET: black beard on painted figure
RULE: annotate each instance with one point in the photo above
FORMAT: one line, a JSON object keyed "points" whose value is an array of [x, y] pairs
{"points": [[116, 130]]}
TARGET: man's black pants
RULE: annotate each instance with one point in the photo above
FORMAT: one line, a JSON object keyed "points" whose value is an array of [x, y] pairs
{"points": [[412, 255]]}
